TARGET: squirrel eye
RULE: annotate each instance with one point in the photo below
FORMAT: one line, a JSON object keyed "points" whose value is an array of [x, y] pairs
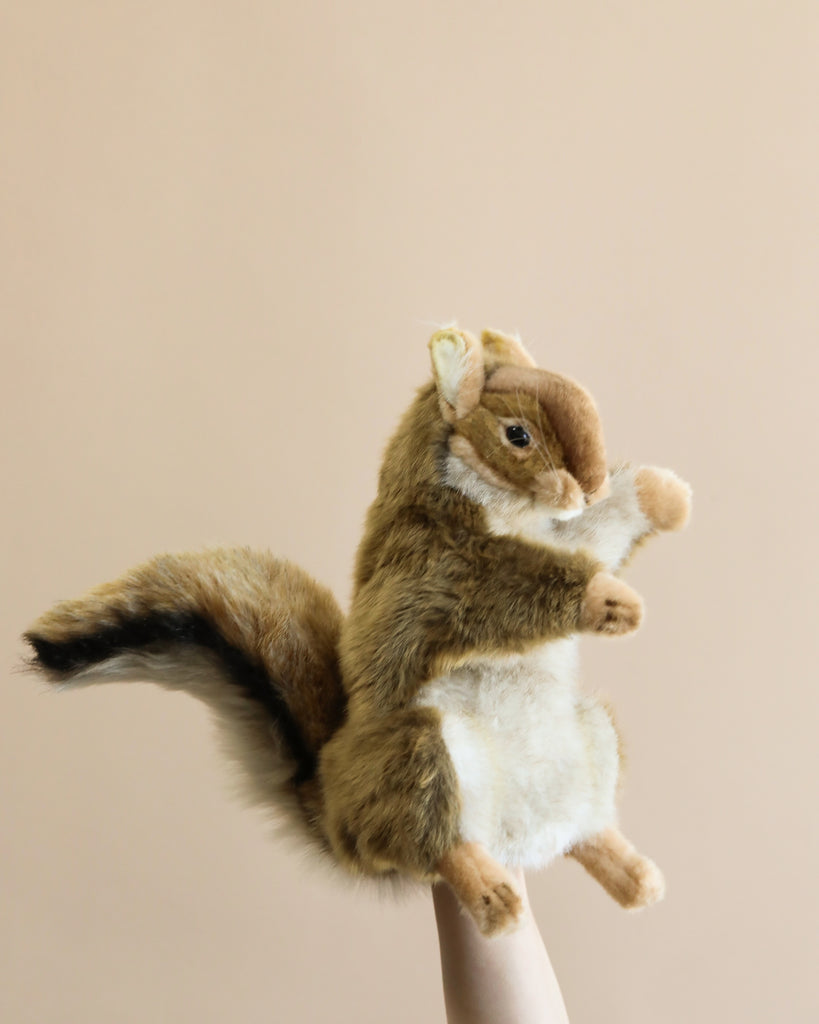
{"points": [[518, 436]]}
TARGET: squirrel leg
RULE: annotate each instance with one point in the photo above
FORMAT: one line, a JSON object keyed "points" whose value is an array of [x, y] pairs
{"points": [[485, 889], [626, 875], [390, 793]]}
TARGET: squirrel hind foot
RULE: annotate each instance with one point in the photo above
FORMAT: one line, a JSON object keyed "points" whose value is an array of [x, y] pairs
{"points": [[485, 889]]}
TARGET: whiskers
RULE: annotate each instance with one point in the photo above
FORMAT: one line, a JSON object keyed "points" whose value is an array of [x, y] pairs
{"points": [[541, 448]]}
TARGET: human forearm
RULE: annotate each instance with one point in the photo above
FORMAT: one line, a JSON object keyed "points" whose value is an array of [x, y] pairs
{"points": [[503, 980]]}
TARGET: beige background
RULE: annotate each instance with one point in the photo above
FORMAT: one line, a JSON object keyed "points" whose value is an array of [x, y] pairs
{"points": [[226, 230]]}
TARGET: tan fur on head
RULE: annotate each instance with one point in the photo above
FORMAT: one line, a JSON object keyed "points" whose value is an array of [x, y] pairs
{"points": [[503, 350], [536, 469], [468, 376], [572, 413]]}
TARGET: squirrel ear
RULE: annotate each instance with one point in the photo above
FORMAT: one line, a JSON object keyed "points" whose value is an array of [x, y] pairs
{"points": [[503, 350], [457, 364]]}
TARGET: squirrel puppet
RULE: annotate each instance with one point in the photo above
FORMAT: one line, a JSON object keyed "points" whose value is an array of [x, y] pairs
{"points": [[437, 731]]}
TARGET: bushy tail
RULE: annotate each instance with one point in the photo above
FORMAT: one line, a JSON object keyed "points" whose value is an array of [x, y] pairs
{"points": [[253, 637]]}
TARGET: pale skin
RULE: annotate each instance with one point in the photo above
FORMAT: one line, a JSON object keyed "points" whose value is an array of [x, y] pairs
{"points": [[506, 979]]}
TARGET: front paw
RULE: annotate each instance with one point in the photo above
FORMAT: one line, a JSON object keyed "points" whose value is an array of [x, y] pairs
{"points": [[664, 498], [610, 606]]}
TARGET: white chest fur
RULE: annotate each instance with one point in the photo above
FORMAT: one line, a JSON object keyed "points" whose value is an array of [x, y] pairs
{"points": [[537, 762]]}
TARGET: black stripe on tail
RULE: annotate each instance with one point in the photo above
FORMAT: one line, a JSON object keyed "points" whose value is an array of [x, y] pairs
{"points": [[186, 629]]}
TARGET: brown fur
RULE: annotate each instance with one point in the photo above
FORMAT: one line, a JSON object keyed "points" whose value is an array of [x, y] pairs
{"points": [[433, 588], [421, 605], [390, 793], [467, 453], [538, 469], [269, 608], [572, 413], [503, 350], [631, 879], [421, 601]]}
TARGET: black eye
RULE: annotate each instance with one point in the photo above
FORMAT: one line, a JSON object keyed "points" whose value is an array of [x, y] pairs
{"points": [[517, 436]]}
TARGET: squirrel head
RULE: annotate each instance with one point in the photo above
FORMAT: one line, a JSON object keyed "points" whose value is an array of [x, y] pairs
{"points": [[521, 429]]}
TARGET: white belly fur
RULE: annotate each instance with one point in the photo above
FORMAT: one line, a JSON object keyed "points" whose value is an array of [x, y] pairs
{"points": [[536, 761]]}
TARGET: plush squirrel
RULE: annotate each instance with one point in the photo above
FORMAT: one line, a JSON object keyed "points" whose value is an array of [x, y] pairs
{"points": [[437, 731]]}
